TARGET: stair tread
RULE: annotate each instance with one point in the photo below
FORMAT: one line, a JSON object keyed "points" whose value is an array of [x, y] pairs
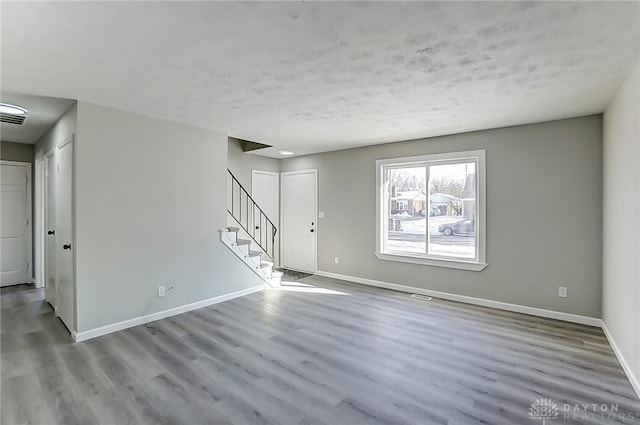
{"points": [[264, 268]]}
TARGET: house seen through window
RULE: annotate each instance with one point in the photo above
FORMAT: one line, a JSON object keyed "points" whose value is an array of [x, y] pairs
{"points": [[430, 207]]}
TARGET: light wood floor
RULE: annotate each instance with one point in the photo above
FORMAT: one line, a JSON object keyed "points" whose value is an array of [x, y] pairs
{"points": [[316, 352]]}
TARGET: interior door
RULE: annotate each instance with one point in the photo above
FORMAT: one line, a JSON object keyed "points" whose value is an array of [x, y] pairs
{"points": [[265, 191], [299, 220], [15, 223], [51, 285], [64, 237]]}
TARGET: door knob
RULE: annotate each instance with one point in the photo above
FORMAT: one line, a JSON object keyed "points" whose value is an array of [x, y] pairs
{"points": [[66, 246], [312, 230], [51, 232]]}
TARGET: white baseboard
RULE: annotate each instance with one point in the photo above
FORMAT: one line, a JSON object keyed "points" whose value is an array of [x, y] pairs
{"points": [[558, 315], [635, 381], [141, 320]]}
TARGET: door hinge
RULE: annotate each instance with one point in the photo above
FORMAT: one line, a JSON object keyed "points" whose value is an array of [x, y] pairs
{"points": [[27, 222], [58, 168], [27, 266]]}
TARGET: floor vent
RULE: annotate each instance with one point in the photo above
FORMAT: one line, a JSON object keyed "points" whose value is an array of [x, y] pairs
{"points": [[421, 297]]}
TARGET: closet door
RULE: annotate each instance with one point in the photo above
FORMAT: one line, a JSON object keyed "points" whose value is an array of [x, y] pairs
{"points": [[65, 241], [15, 227]]}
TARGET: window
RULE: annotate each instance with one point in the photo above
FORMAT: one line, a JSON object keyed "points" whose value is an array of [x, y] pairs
{"points": [[431, 210]]}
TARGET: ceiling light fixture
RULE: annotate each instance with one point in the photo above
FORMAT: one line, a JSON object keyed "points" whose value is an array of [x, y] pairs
{"points": [[8, 109], [286, 152]]}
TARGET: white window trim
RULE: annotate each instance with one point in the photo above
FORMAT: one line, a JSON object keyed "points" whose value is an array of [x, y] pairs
{"points": [[477, 264]]}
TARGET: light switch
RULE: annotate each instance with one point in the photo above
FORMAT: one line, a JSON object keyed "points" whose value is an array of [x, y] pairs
{"points": [[320, 214]]}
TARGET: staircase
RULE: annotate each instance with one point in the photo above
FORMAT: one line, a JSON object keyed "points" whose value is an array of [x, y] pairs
{"points": [[258, 227], [253, 259]]}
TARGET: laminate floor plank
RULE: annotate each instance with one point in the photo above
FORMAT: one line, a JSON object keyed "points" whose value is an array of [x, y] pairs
{"points": [[315, 352], [22, 401], [112, 408], [69, 405], [193, 408], [135, 357]]}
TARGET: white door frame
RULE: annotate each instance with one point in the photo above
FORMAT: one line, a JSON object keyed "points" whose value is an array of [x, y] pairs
{"points": [[39, 185], [49, 156], [314, 171], [29, 215]]}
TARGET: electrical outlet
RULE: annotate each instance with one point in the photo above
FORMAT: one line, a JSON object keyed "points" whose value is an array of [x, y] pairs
{"points": [[562, 291], [336, 260], [161, 291]]}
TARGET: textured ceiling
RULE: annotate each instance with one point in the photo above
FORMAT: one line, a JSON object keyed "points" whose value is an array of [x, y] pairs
{"points": [[322, 76]]}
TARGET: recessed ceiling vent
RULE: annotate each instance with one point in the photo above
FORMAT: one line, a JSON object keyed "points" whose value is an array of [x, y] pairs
{"points": [[12, 119]]}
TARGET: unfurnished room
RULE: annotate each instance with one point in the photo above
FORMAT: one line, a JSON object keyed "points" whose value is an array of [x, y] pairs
{"points": [[327, 213]]}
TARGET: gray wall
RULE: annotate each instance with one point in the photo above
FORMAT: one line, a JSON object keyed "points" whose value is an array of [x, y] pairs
{"points": [[20, 152], [150, 199], [16, 152], [544, 215], [242, 163], [621, 222]]}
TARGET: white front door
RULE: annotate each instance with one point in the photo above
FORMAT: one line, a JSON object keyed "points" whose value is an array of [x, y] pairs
{"points": [[51, 285], [64, 237], [299, 220], [15, 227]]}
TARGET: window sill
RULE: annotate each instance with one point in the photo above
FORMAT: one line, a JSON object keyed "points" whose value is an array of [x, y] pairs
{"points": [[452, 264]]}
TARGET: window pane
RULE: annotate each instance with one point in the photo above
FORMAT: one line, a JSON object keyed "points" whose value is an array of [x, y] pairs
{"points": [[406, 223], [452, 210]]}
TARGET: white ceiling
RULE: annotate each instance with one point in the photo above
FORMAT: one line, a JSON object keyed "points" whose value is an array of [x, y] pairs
{"points": [[42, 113], [321, 76]]}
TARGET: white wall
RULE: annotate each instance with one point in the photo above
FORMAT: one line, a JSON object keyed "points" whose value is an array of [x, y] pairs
{"points": [[621, 222], [150, 198]]}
